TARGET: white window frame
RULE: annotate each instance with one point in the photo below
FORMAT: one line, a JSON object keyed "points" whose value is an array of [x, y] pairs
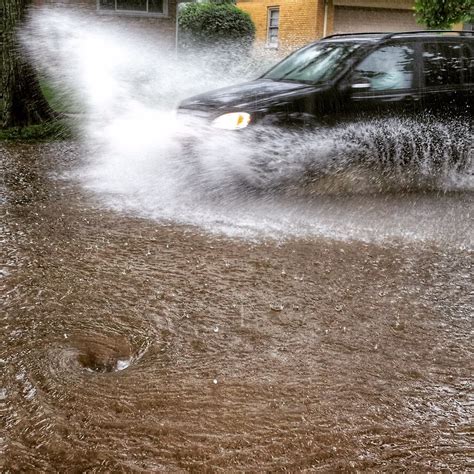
{"points": [[134, 12], [269, 16]]}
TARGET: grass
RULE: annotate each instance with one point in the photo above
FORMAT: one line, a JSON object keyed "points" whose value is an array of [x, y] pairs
{"points": [[61, 101], [61, 129], [60, 98]]}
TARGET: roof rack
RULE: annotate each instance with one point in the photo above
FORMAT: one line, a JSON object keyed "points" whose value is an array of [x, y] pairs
{"points": [[386, 35], [424, 32], [356, 34]]}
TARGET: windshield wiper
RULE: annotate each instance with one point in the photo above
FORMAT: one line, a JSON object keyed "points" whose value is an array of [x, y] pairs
{"points": [[296, 81]]}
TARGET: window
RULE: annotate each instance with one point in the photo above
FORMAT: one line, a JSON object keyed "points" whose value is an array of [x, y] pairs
{"points": [[140, 7], [442, 64], [273, 25], [314, 64], [388, 68], [468, 64]]}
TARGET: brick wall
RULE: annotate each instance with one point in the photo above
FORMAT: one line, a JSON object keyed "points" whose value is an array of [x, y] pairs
{"points": [[161, 29], [301, 21]]}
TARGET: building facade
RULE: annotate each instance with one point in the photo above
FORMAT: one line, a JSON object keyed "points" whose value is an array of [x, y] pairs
{"points": [[157, 17], [281, 25], [286, 24]]}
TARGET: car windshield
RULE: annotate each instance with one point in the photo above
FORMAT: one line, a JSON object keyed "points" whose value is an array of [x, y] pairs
{"points": [[312, 65]]}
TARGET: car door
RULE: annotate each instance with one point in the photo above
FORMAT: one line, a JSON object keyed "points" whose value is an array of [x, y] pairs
{"points": [[384, 83], [444, 91], [467, 90]]}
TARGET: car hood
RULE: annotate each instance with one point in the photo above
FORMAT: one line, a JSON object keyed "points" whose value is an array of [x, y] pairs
{"points": [[250, 94]]}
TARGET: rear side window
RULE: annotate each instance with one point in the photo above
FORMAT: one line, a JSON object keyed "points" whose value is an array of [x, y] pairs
{"points": [[468, 63], [442, 64], [388, 68]]}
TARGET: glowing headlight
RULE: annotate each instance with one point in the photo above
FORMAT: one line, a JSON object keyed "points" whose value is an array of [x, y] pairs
{"points": [[232, 121]]}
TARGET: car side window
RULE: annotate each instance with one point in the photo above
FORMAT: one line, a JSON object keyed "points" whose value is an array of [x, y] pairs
{"points": [[468, 63], [442, 63], [388, 68]]}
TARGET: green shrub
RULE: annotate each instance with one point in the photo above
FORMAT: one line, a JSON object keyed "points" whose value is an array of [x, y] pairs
{"points": [[210, 24], [57, 130]]}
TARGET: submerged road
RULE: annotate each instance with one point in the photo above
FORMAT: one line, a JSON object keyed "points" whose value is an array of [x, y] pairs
{"points": [[133, 345]]}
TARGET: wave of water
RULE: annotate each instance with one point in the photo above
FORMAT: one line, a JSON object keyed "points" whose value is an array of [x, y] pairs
{"points": [[145, 160]]}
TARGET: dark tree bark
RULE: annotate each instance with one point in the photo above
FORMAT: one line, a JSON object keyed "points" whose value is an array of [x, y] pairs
{"points": [[21, 96]]}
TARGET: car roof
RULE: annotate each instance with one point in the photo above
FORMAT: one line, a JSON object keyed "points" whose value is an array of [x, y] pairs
{"points": [[354, 37], [381, 36]]}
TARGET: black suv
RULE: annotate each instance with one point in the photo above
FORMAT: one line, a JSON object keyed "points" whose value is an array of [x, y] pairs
{"points": [[351, 77]]}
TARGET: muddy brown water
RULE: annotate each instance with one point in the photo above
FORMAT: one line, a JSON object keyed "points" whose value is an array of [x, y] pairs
{"points": [[133, 346]]}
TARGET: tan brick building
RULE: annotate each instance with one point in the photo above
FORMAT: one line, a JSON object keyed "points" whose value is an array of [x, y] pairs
{"points": [[282, 25], [286, 24], [157, 17]]}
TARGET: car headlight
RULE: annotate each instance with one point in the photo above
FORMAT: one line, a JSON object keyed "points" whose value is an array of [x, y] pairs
{"points": [[232, 121]]}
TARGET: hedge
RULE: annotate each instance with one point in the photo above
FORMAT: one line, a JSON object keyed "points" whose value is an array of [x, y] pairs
{"points": [[210, 23]]}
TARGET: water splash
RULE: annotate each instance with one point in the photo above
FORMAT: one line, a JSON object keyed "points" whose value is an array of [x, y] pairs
{"points": [[143, 159]]}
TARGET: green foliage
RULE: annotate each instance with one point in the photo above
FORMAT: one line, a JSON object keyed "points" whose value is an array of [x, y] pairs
{"points": [[222, 2], [204, 24], [60, 129], [60, 99], [442, 14], [56, 130]]}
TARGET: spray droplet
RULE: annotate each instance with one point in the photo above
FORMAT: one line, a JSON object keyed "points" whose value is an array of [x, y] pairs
{"points": [[122, 364]]}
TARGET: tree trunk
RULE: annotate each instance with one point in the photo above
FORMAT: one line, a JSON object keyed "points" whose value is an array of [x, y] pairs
{"points": [[21, 96]]}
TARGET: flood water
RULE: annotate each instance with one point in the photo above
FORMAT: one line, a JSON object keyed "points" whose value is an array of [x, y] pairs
{"points": [[136, 343], [161, 315]]}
